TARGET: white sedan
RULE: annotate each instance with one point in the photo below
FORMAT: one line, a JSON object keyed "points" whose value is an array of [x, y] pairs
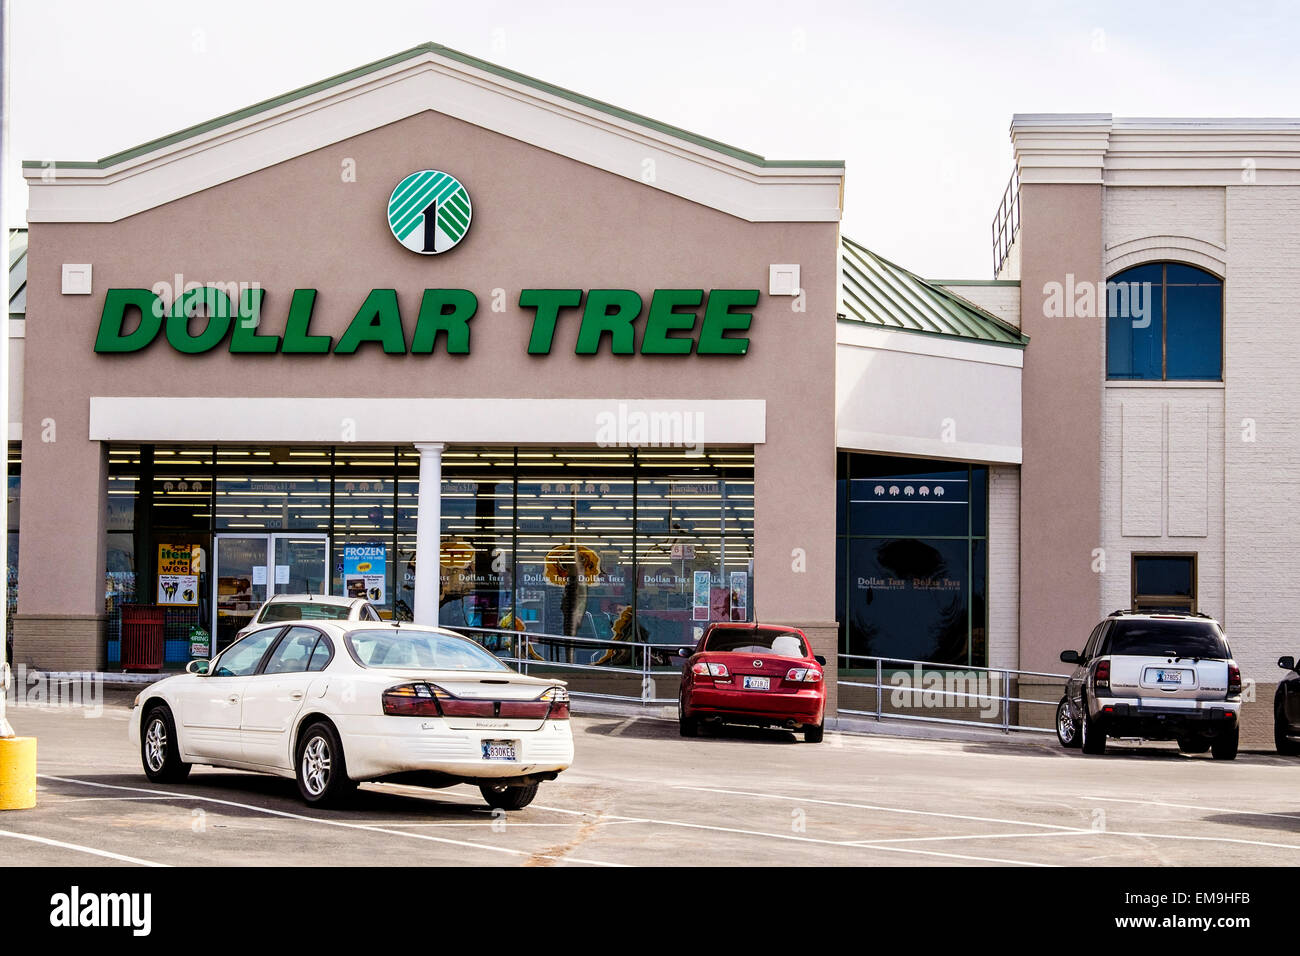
{"points": [[333, 703]]}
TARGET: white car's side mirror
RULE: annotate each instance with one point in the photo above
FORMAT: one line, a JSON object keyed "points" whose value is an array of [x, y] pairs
{"points": [[197, 667]]}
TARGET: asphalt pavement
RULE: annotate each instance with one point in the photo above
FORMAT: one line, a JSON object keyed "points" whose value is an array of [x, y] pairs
{"points": [[638, 794]]}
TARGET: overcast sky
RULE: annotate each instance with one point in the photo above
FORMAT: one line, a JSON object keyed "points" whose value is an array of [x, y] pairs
{"points": [[916, 97]]}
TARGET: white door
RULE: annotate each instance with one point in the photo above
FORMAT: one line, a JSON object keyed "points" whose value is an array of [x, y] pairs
{"points": [[212, 705], [274, 698]]}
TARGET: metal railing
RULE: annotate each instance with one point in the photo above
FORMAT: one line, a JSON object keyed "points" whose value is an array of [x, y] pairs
{"points": [[998, 703], [1006, 222], [633, 662], [649, 668]]}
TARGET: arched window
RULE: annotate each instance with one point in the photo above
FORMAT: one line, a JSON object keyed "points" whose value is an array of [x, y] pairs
{"points": [[1164, 322]]}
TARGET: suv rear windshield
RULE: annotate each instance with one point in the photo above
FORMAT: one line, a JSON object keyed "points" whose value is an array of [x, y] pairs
{"points": [[762, 640], [1172, 638], [304, 611]]}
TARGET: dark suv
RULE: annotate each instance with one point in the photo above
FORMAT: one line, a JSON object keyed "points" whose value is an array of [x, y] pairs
{"points": [[1158, 676]]}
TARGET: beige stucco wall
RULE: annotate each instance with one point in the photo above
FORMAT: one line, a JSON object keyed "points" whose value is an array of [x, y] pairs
{"points": [[1060, 490], [540, 221]]}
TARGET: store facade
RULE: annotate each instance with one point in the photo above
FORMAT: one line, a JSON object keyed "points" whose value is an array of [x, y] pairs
{"points": [[488, 352]]}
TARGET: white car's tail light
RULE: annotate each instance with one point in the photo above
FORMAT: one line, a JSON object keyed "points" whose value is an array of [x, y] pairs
{"points": [[420, 699], [803, 675], [1234, 680], [557, 701], [412, 700], [709, 669]]}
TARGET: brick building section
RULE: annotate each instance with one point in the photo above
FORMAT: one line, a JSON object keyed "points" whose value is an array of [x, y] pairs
{"points": [[1262, 478]]}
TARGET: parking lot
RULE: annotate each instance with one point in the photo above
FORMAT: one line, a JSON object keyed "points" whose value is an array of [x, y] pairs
{"points": [[638, 794]]}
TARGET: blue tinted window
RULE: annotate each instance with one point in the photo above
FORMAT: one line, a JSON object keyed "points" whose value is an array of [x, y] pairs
{"points": [[1194, 332], [1176, 274], [911, 562], [908, 599], [979, 499], [1134, 325], [1164, 321]]}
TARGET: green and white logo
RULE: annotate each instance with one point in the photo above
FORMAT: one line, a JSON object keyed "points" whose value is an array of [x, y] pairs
{"points": [[429, 212]]}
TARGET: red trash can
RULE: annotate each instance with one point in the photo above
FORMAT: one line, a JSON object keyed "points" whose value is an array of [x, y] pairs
{"points": [[143, 626]]}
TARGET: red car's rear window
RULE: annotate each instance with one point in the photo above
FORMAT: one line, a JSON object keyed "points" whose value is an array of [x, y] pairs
{"points": [[762, 640]]}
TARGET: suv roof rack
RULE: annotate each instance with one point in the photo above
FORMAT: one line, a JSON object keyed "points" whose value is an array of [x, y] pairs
{"points": [[1128, 610]]}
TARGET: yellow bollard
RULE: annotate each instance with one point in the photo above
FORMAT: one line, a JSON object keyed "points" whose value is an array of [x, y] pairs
{"points": [[17, 773]]}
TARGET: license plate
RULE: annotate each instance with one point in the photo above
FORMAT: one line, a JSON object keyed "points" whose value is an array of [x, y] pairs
{"points": [[757, 683], [499, 750], [1166, 677]]}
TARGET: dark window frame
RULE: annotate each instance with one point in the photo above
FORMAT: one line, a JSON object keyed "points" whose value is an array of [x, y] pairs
{"points": [[1156, 601]]}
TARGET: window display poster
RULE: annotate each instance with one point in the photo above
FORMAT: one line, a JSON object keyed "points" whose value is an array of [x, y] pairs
{"points": [[178, 589], [177, 582], [701, 609], [365, 571], [739, 596]]}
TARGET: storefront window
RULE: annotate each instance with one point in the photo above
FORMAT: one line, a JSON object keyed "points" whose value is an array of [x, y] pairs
{"points": [[476, 562], [589, 543], [912, 559], [695, 527], [575, 550]]}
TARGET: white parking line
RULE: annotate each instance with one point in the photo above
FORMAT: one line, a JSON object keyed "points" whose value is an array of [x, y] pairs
{"points": [[1203, 839], [180, 795], [1189, 806], [977, 836], [843, 844], [1058, 829], [618, 731], [79, 848], [868, 806]]}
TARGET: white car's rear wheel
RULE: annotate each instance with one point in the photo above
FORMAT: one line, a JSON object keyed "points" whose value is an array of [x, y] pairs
{"points": [[507, 796], [322, 771]]}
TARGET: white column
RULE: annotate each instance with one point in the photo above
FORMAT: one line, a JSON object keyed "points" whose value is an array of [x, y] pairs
{"points": [[428, 535]]}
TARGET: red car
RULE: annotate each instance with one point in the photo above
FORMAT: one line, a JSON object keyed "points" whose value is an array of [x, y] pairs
{"points": [[759, 674]]}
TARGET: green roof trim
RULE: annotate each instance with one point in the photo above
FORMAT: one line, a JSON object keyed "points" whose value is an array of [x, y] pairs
{"points": [[465, 58], [988, 282], [17, 273], [875, 291]]}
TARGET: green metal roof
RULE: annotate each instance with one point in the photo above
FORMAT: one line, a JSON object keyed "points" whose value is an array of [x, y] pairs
{"points": [[17, 273], [465, 58], [875, 291]]}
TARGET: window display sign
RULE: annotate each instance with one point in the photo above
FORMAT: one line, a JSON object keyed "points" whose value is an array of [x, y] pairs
{"points": [[365, 571], [178, 582], [702, 591], [739, 596]]}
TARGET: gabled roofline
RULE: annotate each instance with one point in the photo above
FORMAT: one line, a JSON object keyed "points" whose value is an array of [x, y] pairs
{"points": [[435, 48]]}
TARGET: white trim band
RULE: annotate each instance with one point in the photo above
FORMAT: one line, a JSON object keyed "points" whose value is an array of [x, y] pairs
{"points": [[505, 421]]}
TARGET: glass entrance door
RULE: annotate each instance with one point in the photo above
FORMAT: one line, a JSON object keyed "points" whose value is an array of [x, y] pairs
{"points": [[301, 563], [249, 568], [241, 584]]}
